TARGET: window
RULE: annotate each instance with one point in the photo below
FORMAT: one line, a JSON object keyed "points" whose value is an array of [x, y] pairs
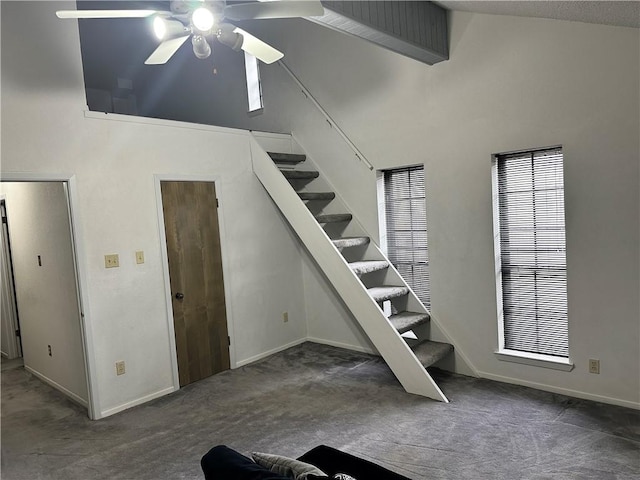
{"points": [[254, 89], [530, 252], [406, 228]]}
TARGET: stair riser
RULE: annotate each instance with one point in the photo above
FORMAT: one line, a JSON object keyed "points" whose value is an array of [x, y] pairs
{"points": [[317, 196], [404, 323], [362, 268], [299, 175], [334, 218], [387, 293], [287, 158], [351, 242], [431, 352]]}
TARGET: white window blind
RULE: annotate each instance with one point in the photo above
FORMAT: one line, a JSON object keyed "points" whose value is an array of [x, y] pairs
{"points": [[532, 251], [406, 219]]}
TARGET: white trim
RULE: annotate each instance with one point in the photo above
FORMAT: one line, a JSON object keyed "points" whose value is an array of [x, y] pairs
{"points": [[535, 359], [35, 177], [137, 401], [562, 391], [116, 117], [167, 286], [226, 270], [77, 239], [277, 136], [346, 346], [86, 327], [268, 353], [72, 396], [10, 325]]}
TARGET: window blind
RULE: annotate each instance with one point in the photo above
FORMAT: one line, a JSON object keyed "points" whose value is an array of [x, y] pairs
{"points": [[533, 251], [406, 218]]}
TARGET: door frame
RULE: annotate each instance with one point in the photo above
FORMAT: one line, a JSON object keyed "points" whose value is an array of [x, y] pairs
{"points": [[15, 349], [80, 267], [226, 271]]}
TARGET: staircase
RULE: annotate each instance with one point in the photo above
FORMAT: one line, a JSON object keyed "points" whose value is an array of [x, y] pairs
{"points": [[390, 314]]}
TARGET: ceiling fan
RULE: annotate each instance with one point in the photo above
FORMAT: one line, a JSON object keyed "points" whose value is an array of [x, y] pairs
{"points": [[206, 20]]}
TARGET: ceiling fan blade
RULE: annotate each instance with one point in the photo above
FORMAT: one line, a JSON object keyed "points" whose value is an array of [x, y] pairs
{"points": [[108, 13], [165, 51], [281, 9], [259, 49]]}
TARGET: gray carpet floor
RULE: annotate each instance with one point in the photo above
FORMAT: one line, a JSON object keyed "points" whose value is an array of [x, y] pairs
{"points": [[314, 394]]}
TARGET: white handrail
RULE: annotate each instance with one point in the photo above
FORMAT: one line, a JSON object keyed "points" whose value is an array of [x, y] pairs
{"points": [[330, 120]]}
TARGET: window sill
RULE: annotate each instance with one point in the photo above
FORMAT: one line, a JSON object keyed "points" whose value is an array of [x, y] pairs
{"points": [[535, 359]]}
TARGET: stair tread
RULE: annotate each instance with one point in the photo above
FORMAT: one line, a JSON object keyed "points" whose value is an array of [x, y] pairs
{"points": [[346, 242], [333, 217], [430, 352], [316, 195], [387, 292], [405, 321], [368, 266], [300, 174], [288, 158]]}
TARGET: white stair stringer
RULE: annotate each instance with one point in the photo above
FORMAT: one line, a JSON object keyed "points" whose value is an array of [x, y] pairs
{"points": [[392, 347]]}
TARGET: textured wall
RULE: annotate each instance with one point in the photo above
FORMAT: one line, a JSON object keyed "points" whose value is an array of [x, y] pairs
{"points": [[45, 132], [511, 83]]}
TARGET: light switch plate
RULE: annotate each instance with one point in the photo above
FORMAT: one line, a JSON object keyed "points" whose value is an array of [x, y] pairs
{"points": [[120, 370], [111, 261], [139, 257]]}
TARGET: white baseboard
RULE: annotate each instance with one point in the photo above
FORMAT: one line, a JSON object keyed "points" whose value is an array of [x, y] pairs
{"points": [[72, 396], [260, 356], [347, 346], [136, 402], [562, 391]]}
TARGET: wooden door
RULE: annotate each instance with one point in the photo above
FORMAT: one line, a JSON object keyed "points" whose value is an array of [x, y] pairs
{"points": [[195, 270]]}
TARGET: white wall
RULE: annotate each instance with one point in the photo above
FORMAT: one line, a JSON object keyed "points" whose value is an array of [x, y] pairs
{"points": [[113, 164], [511, 83], [46, 294]]}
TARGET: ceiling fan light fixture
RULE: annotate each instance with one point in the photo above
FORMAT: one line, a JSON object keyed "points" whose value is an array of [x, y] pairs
{"points": [[164, 29], [202, 19], [231, 39], [201, 48], [159, 28]]}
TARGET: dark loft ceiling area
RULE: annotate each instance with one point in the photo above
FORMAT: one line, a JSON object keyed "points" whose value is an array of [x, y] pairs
{"points": [[201, 91], [184, 89]]}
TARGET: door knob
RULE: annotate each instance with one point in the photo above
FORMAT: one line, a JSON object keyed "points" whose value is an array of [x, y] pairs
{"points": [[179, 296]]}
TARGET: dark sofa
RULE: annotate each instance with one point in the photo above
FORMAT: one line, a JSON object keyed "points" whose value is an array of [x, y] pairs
{"points": [[224, 463]]}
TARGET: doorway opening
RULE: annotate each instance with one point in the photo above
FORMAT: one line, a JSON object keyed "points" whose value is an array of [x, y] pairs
{"points": [[39, 256], [11, 348]]}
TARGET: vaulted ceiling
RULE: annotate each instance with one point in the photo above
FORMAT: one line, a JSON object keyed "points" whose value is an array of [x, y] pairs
{"points": [[114, 51]]}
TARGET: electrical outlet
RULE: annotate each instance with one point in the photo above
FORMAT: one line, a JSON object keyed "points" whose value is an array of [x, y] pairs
{"points": [[120, 368], [594, 365], [139, 257], [111, 261], [49, 350], [285, 317]]}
